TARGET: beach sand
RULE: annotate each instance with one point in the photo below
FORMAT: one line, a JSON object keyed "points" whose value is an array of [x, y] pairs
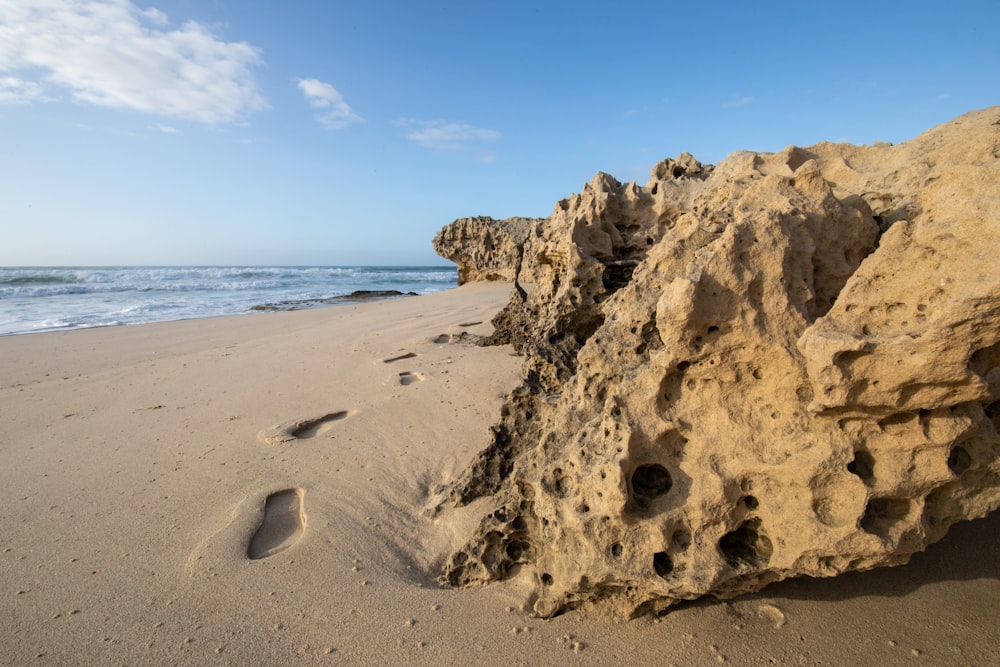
{"points": [[252, 491]]}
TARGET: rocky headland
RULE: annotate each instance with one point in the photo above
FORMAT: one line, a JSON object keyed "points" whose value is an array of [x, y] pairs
{"points": [[484, 248], [786, 364]]}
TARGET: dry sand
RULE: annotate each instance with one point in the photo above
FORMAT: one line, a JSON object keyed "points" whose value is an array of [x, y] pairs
{"points": [[252, 490]]}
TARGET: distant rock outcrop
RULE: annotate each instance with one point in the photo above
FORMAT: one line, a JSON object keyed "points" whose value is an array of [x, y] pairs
{"points": [[484, 248], [785, 365]]}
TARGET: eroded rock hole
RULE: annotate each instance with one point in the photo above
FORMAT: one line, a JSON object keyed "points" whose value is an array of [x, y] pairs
{"points": [[617, 276], [651, 337], [559, 485], [747, 545], [518, 550], [863, 466], [616, 550], [547, 579], [993, 412], [651, 481], [881, 514], [492, 555], [751, 502], [662, 564], [681, 539], [586, 327], [959, 460]]}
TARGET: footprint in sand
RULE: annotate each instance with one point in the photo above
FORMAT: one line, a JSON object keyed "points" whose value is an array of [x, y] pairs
{"points": [[463, 337], [407, 378], [283, 524], [408, 355], [301, 429]]}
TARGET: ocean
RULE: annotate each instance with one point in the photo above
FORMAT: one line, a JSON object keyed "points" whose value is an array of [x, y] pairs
{"points": [[34, 299]]}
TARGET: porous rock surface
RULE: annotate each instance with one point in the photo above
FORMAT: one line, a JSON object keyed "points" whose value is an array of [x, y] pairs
{"points": [[484, 248], [785, 365]]}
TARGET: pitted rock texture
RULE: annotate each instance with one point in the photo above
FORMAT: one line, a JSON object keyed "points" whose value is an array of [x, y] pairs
{"points": [[484, 248], [786, 365]]}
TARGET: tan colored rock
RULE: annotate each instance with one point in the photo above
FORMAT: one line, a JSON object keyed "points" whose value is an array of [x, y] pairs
{"points": [[786, 365], [484, 248]]}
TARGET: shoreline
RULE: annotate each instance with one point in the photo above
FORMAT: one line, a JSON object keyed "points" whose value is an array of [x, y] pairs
{"points": [[141, 461], [354, 298], [36, 300]]}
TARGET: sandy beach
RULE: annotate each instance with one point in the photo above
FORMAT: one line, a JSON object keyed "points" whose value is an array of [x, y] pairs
{"points": [[253, 490]]}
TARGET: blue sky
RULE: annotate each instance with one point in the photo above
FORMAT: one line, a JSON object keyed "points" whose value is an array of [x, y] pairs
{"points": [[309, 132]]}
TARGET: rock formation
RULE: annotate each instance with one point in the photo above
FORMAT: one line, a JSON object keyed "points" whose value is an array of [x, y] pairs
{"points": [[785, 365], [484, 248]]}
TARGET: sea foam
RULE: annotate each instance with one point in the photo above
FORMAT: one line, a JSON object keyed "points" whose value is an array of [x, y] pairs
{"points": [[58, 298]]}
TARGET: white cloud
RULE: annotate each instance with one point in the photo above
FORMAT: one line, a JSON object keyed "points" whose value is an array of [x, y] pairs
{"points": [[739, 101], [113, 54], [321, 95], [167, 129], [19, 91], [156, 16], [445, 135]]}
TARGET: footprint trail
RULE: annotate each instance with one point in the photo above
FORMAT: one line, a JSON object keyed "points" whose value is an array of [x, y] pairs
{"points": [[301, 429], [408, 355], [407, 378], [283, 524]]}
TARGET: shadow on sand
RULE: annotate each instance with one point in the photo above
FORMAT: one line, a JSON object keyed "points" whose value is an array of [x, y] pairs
{"points": [[970, 551]]}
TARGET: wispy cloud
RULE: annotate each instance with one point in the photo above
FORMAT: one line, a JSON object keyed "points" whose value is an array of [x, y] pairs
{"points": [[445, 135], [739, 101], [336, 113], [18, 91], [167, 129], [111, 53]]}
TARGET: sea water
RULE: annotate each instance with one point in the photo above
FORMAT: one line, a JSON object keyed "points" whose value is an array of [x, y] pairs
{"points": [[59, 298]]}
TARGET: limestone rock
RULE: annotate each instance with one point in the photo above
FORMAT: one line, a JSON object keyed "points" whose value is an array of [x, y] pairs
{"points": [[785, 365], [484, 248]]}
